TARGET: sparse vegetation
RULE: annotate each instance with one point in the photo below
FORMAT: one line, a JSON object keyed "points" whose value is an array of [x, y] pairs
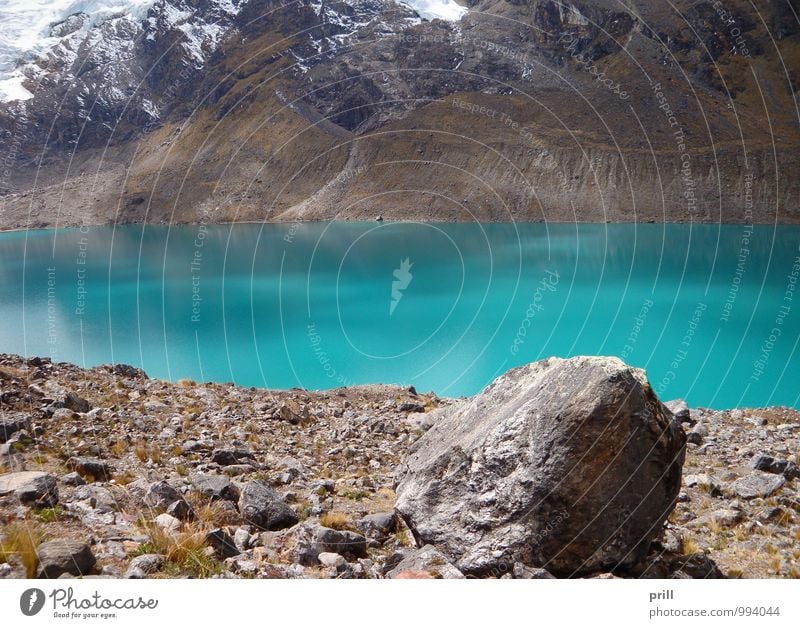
{"points": [[689, 546], [50, 515], [184, 552], [355, 494], [336, 520], [21, 539]]}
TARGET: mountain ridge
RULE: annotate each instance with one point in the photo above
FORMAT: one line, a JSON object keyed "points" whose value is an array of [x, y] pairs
{"points": [[598, 110]]}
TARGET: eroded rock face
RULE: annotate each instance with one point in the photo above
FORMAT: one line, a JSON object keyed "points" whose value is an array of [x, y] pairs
{"points": [[571, 465]]}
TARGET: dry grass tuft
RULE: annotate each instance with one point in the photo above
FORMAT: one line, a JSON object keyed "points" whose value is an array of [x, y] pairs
{"points": [[184, 551], [689, 546], [336, 520], [22, 539]]}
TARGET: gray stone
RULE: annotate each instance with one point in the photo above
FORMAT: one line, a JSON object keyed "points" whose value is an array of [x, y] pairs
{"points": [[292, 412], [13, 569], [72, 478], [342, 542], [262, 507], [757, 484], [680, 409], [10, 424], [521, 572], [227, 457], [161, 494], [427, 560], [764, 462], [180, 509], [92, 468], [331, 559], [216, 487], [144, 564], [35, 488], [573, 464], [75, 402], [726, 517], [168, 523], [222, 543], [241, 538], [64, 556], [134, 573], [411, 406], [98, 497], [698, 433], [706, 482], [378, 526]]}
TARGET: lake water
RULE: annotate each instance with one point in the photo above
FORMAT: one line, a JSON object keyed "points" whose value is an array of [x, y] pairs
{"points": [[709, 311]]}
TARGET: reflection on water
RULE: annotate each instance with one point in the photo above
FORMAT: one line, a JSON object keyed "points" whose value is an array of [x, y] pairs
{"points": [[709, 314]]}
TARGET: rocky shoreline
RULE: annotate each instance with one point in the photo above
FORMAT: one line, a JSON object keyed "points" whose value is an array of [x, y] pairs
{"points": [[105, 472]]}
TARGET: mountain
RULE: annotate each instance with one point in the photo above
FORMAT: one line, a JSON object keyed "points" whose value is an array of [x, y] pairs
{"points": [[228, 110]]}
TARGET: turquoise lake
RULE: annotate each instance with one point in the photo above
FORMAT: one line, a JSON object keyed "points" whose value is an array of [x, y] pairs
{"points": [[710, 311]]}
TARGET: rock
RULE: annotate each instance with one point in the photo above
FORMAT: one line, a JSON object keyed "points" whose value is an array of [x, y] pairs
{"points": [[763, 462], [13, 568], [227, 457], [76, 403], [264, 508], [342, 542], [756, 484], [72, 478], [144, 564], [695, 566], [168, 523], [97, 497], [126, 370], [573, 464], [91, 468], [426, 559], [775, 513], [726, 517], [521, 572], [35, 488], [411, 406], [680, 409], [331, 559], [241, 538], [216, 487], [161, 494], [378, 526], [698, 433], [222, 543], [242, 566], [64, 556], [293, 412], [180, 509], [10, 424]]}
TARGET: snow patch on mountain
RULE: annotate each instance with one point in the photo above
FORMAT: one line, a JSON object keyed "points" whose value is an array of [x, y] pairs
{"points": [[437, 9], [31, 28]]}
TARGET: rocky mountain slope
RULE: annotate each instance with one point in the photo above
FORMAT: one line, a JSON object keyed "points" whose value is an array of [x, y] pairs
{"points": [[106, 471], [222, 110]]}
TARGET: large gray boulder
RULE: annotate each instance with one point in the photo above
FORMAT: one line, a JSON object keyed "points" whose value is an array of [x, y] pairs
{"points": [[64, 556], [570, 465], [264, 508], [35, 488]]}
